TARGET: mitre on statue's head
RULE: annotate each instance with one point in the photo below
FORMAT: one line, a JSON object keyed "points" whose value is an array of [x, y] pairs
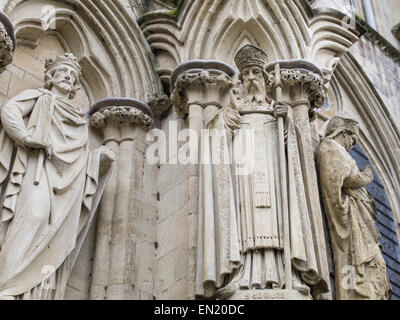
{"points": [[250, 56], [67, 59], [338, 124]]}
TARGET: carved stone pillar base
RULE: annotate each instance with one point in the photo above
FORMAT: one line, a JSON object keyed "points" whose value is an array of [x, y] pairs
{"points": [[269, 294]]}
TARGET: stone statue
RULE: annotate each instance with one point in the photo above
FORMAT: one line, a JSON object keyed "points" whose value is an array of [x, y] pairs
{"points": [[359, 266], [260, 221], [241, 239], [51, 184]]}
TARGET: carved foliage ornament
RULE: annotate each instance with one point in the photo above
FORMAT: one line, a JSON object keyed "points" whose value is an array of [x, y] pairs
{"points": [[131, 115], [196, 78], [6, 48], [305, 78]]}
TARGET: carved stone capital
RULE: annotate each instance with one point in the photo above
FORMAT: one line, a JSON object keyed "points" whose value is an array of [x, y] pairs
{"points": [[120, 110], [200, 82], [7, 42], [307, 79], [300, 80]]}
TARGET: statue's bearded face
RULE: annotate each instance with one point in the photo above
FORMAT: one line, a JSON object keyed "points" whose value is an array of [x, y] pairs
{"points": [[64, 79], [253, 83]]}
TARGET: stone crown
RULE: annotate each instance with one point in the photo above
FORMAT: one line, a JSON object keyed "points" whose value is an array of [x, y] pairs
{"points": [[250, 56], [66, 59]]}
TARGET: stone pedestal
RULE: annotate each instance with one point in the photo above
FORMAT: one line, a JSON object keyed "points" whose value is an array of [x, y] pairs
{"points": [[276, 294], [115, 271]]}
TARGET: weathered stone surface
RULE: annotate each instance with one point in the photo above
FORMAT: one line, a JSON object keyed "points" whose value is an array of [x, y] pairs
{"points": [[167, 237], [132, 55]]}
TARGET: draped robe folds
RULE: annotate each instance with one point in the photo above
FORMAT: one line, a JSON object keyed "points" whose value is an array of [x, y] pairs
{"points": [[359, 266], [218, 252], [241, 233], [42, 227]]}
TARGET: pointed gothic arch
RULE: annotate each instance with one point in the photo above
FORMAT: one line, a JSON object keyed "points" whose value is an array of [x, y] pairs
{"points": [[283, 29], [99, 37]]}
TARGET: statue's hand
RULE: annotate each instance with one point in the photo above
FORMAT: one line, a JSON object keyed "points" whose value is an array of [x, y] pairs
{"points": [[368, 172], [30, 143], [234, 99], [281, 110]]}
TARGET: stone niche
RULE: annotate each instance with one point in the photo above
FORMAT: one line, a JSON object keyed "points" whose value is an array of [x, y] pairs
{"points": [[143, 243]]}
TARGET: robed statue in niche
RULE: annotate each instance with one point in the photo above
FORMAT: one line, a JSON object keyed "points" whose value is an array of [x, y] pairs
{"points": [[241, 235], [51, 184], [360, 270]]}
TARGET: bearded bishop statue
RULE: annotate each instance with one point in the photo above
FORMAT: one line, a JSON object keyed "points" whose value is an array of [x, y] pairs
{"points": [[51, 184], [241, 234]]}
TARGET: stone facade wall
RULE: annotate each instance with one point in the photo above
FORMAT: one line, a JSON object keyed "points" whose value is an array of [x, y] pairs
{"points": [[3, 4], [173, 221], [161, 221], [383, 72], [387, 16]]}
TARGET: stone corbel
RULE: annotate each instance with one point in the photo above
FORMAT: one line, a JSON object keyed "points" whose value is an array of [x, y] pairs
{"points": [[8, 42], [159, 103]]}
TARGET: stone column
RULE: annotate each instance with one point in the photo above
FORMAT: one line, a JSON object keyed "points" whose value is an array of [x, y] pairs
{"points": [[8, 42], [302, 90], [115, 272], [199, 89]]}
